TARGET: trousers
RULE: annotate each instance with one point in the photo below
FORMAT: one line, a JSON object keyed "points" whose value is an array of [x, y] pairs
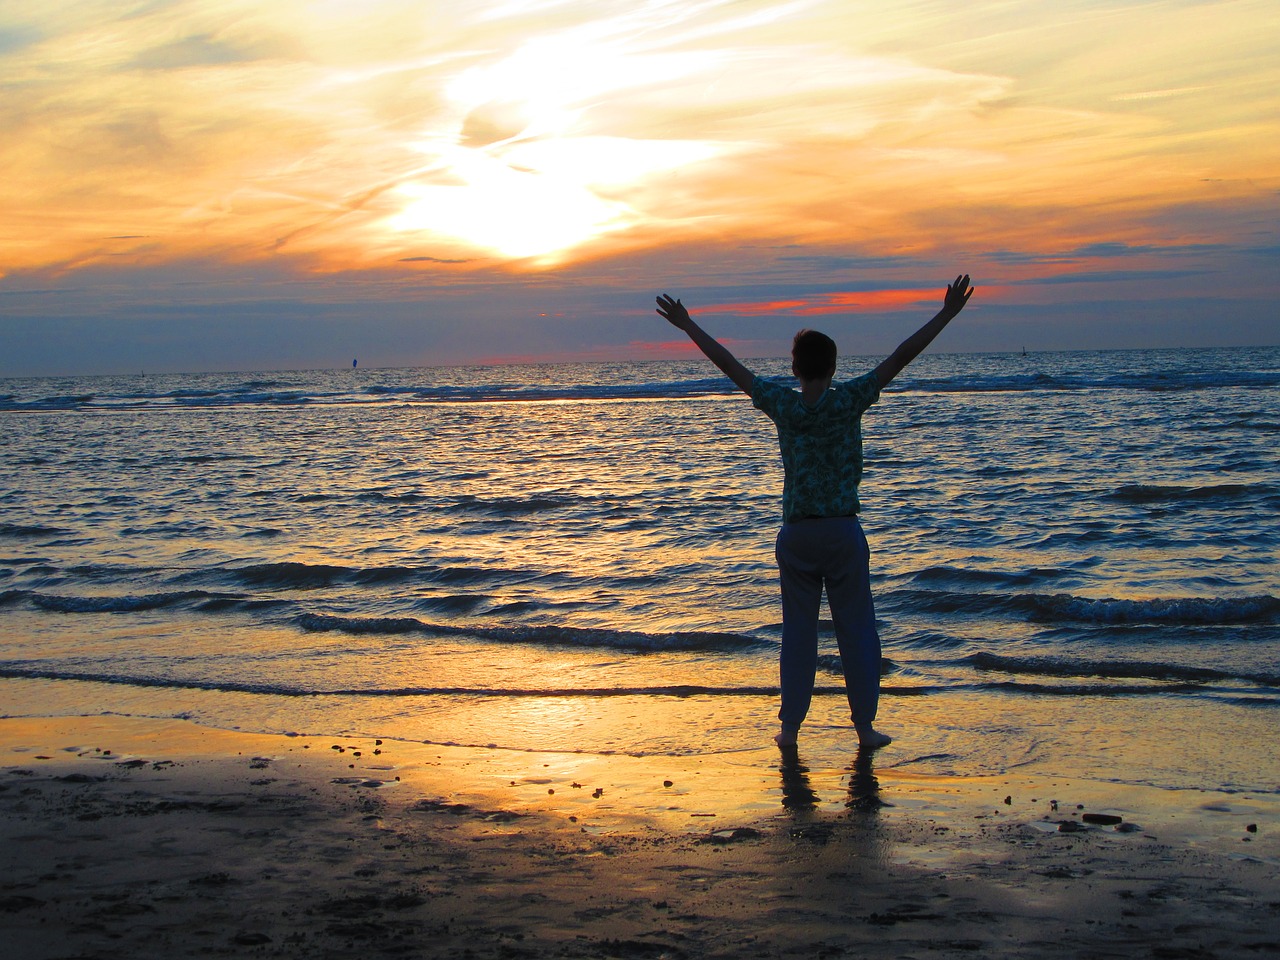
{"points": [[828, 552]]}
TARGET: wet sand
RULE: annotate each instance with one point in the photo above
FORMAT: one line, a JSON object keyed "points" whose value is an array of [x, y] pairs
{"points": [[138, 839]]}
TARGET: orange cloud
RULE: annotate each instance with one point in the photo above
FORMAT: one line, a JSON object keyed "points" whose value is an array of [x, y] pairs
{"points": [[850, 301], [358, 136]]}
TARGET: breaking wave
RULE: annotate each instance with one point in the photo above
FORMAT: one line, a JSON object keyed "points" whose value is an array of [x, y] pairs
{"points": [[550, 635], [1066, 608]]}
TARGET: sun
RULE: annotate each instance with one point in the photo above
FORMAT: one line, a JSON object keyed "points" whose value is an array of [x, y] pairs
{"points": [[511, 211], [522, 170]]}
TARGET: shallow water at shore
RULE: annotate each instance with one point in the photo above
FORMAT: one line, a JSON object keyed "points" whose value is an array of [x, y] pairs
{"points": [[1073, 558]]}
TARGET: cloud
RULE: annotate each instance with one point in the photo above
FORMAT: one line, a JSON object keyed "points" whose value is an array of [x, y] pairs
{"points": [[432, 260], [1106, 250], [201, 50], [1109, 276], [18, 37], [844, 301], [772, 159]]}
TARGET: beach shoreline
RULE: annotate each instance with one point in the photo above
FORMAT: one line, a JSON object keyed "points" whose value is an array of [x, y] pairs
{"points": [[137, 838]]}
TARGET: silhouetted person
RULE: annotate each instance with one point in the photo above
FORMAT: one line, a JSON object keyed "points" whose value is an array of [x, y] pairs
{"points": [[821, 542]]}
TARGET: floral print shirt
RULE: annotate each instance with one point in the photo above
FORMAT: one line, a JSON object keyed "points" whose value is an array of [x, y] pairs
{"points": [[821, 446]]}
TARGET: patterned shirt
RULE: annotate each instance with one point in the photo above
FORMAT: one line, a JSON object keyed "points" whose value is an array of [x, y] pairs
{"points": [[821, 447]]}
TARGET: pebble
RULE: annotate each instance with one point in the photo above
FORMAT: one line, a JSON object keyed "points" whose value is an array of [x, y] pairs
{"points": [[733, 835], [1102, 819]]}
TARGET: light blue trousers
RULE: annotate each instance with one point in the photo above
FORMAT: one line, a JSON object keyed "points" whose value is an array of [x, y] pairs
{"points": [[830, 552]]}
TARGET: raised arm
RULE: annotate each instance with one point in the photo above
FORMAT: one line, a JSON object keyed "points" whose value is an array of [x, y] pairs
{"points": [[957, 296], [717, 353]]}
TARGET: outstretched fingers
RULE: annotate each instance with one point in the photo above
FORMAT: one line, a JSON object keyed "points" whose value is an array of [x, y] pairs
{"points": [[669, 308], [958, 293]]}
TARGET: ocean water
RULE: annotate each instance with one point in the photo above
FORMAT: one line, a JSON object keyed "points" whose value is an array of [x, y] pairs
{"points": [[1074, 557]]}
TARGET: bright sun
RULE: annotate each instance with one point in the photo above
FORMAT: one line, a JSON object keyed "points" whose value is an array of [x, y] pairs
{"points": [[512, 211], [515, 175]]}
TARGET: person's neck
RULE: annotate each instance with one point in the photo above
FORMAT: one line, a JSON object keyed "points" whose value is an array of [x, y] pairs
{"points": [[811, 391]]}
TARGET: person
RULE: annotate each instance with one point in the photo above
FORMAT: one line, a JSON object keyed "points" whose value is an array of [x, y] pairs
{"points": [[821, 542]]}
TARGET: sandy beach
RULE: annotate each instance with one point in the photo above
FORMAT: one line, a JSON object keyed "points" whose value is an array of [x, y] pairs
{"points": [[134, 838]]}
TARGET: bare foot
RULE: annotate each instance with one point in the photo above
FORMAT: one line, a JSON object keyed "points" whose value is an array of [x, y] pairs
{"points": [[869, 738], [786, 737]]}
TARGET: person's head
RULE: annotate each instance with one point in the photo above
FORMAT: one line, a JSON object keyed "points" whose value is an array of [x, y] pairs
{"points": [[813, 355]]}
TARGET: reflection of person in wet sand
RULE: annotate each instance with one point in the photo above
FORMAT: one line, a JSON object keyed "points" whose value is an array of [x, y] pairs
{"points": [[799, 797], [821, 542]]}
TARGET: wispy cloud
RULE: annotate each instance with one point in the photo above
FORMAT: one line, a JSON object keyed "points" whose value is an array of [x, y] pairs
{"points": [[807, 146], [843, 302]]}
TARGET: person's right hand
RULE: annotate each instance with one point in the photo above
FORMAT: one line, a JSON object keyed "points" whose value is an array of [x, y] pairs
{"points": [[673, 310]]}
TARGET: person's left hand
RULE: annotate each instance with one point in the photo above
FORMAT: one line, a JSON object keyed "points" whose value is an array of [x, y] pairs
{"points": [[958, 295]]}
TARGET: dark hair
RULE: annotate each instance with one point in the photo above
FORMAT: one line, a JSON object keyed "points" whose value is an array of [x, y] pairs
{"points": [[813, 355]]}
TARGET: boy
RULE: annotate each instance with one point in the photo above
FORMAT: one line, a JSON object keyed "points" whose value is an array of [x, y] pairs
{"points": [[821, 542]]}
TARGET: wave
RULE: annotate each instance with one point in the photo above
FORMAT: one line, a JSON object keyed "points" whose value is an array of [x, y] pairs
{"points": [[1175, 611], [961, 576], [295, 575], [549, 635], [1061, 607], [506, 506], [1119, 669], [1158, 381], [1085, 689], [61, 603], [1036, 607], [1172, 493], [277, 394], [19, 671], [615, 383], [20, 531]]}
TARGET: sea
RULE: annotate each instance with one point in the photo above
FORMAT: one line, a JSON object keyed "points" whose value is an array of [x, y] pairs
{"points": [[1074, 559]]}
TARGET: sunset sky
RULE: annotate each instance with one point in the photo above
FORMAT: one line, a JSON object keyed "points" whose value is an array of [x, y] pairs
{"points": [[236, 185]]}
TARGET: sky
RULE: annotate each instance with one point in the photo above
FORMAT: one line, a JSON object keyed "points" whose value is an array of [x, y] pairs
{"points": [[191, 185]]}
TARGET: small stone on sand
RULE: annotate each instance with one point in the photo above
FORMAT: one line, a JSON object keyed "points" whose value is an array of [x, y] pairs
{"points": [[1102, 819]]}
